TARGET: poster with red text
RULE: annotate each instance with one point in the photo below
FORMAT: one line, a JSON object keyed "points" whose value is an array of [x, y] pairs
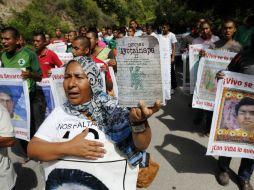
{"points": [[14, 97], [194, 60], [57, 77], [206, 84], [232, 132]]}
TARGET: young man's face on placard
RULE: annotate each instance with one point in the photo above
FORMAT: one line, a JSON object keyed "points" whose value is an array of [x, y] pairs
{"points": [[245, 117], [6, 101]]}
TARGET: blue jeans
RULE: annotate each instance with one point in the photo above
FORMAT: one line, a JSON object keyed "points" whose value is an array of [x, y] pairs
{"points": [[245, 170]]}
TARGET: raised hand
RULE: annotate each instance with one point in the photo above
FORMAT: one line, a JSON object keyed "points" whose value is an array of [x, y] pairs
{"points": [[143, 112]]}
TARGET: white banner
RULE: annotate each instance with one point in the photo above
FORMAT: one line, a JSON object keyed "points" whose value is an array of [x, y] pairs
{"points": [[14, 97], [64, 57], [232, 132], [58, 47], [57, 77], [139, 69]]}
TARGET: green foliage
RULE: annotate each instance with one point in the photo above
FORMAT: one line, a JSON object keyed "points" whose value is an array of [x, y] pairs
{"points": [[189, 11], [46, 15], [122, 11], [33, 19]]}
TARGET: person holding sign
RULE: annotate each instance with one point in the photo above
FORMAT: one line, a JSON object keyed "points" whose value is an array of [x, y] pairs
{"points": [[15, 56], [89, 126], [227, 43], [243, 62]]}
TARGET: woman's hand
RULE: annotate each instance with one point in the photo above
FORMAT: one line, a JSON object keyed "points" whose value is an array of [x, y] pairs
{"points": [[219, 75], [202, 53], [142, 112], [79, 146]]}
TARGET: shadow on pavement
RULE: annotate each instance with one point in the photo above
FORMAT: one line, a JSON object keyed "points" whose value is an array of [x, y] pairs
{"points": [[26, 179], [178, 114], [190, 156]]}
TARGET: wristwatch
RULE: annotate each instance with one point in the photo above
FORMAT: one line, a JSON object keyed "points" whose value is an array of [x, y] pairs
{"points": [[139, 127]]}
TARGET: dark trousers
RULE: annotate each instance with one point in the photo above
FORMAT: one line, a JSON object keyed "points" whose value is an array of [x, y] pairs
{"points": [[208, 120], [173, 77], [37, 109], [245, 170]]}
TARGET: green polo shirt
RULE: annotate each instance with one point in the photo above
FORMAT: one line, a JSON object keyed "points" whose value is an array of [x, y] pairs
{"points": [[24, 58]]}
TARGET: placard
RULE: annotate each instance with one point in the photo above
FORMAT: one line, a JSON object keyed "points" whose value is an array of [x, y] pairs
{"points": [[139, 71], [232, 132], [14, 97]]}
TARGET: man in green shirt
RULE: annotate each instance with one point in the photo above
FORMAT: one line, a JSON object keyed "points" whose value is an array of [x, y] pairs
{"points": [[16, 56]]}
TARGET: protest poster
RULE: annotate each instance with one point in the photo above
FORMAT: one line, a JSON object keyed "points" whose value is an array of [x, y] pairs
{"points": [[57, 77], [14, 97], [139, 71], [60, 47], [165, 65], [206, 84], [65, 57], [232, 132], [112, 172], [194, 59], [46, 87]]}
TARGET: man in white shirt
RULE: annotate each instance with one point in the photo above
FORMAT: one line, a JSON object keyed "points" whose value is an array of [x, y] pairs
{"points": [[172, 40]]}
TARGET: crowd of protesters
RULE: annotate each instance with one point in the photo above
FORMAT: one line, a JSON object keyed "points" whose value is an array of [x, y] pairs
{"points": [[99, 45]]}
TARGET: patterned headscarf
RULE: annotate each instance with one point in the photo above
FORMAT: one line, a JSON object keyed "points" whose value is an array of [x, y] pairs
{"points": [[110, 118]]}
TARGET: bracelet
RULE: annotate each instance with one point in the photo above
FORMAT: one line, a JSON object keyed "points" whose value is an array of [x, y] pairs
{"points": [[139, 127]]}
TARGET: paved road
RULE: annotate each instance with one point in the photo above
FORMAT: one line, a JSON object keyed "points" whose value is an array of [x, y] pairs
{"points": [[177, 145]]}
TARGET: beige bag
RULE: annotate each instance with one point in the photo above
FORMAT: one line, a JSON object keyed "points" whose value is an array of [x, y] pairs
{"points": [[147, 174]]}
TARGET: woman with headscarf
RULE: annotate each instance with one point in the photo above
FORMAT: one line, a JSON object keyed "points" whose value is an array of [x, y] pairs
{"points": [[87, 128]]}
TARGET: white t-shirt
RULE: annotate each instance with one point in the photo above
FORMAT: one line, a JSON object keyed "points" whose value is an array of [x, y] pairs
{"points": [[112, 171], [171, 37], [138, 33], [7, 173], [210, 41]]}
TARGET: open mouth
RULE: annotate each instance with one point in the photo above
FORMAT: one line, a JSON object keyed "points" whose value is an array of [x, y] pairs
{"points": [[6, 47], [73, 94]]}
